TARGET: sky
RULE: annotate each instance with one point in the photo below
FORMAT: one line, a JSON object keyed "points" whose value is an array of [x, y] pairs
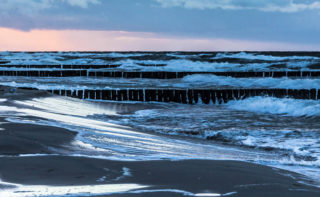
{"points": [[159, 25]]}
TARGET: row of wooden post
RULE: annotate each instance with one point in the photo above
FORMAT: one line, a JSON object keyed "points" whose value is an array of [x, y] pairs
{"points": [[189, 96], [151, 75]]}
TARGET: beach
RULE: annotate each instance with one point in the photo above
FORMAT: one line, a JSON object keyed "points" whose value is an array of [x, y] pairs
{"points": [[159, 177], [37, 156], [159, 98]]}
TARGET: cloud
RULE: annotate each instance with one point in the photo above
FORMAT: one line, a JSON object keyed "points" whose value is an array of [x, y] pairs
{"points": [[29, 7], [262, 5], [81, 3]]}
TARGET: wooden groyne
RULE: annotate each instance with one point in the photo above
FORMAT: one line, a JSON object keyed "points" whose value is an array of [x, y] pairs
{"points": [[151, 75], [188, 96], [71, 66]]}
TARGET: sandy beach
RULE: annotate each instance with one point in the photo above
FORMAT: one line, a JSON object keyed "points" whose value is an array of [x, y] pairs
{"points": [[159, 178], [192, 176]]}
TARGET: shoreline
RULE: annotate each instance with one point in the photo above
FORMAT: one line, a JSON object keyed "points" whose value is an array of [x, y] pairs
{"points": [[193, 176]]}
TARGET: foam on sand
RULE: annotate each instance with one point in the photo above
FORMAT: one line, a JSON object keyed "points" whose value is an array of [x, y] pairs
{"points": [[17, 190], [68, 106]]}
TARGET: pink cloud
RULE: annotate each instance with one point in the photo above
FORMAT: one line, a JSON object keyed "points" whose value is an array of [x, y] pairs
{"points": [[81, 40]]}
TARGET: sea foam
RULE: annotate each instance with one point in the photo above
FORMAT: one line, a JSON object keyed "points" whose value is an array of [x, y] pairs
{"points": [[284, 106], [268, 82]]}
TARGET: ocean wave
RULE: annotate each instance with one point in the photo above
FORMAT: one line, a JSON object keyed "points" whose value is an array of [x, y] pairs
{"points": [[170, 61], [271, 105], [179, 65], [267, 82], [257, 56], [197, 81], [285, 126], [296, 144]]}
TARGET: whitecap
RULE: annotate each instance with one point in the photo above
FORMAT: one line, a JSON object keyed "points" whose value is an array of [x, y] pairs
{"points": [[280, 106]]}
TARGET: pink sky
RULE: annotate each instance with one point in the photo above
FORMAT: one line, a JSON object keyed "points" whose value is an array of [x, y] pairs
{"points": [[83, 40]]}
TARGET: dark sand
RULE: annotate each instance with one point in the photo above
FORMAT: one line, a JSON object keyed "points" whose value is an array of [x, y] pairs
{"points": [[196, 176], [18, 139], [192, 176]]}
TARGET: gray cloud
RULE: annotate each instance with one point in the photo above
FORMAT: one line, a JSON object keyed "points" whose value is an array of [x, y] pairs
{"points": [[30, 7], [198, 19], [262, 5]]}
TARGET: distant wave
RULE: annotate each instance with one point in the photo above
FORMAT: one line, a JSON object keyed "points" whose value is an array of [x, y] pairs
{"points": [[171, 61], [258, 56], [285, 83], [190, 81]]}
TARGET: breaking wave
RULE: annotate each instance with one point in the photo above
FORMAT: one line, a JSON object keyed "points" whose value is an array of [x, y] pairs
{"points": [[284, 106], [169, 61], [268, 82]]}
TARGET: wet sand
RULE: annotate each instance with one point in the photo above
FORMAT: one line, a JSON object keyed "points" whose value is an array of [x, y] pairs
{"points": [[18, 139], [195, 176]]}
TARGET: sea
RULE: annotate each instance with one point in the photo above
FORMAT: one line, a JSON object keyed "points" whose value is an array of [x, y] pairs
{"points": [[263, 129]]}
